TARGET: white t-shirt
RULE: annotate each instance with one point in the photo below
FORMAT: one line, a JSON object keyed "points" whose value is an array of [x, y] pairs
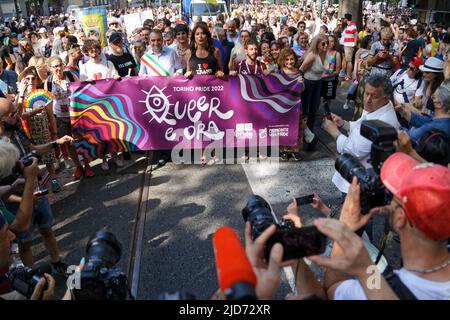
{"points": [[96, 71], [410, 86], [423, 289]]}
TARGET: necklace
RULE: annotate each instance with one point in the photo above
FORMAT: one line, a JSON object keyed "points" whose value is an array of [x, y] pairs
{"points": [[431, 270]]}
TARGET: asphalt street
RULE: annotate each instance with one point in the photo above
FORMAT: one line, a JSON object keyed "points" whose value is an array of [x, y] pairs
{"points": [[181, 207]]}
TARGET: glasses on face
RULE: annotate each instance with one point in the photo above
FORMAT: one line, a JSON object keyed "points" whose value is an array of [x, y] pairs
{"points": [[30, 78], [414, 69], [58, 66], [139, 48]]}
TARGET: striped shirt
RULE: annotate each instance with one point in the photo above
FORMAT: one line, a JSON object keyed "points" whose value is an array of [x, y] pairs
{"points": [[350, 35]]}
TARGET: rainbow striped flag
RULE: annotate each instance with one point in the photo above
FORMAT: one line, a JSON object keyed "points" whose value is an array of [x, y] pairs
{"points": [[420, 54]]}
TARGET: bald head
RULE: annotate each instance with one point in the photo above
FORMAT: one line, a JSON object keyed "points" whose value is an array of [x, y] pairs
{"points": [[6, 107]]}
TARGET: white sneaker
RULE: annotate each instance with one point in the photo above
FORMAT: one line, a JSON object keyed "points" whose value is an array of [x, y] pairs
{"points": [[119, 162], [105, 166], [342, 74]]}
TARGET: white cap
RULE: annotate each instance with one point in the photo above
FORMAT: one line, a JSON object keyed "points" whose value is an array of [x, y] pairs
{"points": [[42, 30]]}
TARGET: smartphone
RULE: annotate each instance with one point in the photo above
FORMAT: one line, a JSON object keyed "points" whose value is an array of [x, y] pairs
{"points": [[41, 193], [298, 242], [304, 200]]}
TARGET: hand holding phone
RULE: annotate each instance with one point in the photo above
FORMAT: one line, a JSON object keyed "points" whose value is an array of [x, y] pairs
{"points": [[41, 193], [305, 200]]}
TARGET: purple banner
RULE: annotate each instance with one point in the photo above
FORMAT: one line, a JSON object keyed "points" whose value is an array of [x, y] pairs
{"points": [[163, 112]]}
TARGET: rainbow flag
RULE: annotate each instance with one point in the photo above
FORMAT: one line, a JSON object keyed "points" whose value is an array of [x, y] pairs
{"points": [[420, 54]]}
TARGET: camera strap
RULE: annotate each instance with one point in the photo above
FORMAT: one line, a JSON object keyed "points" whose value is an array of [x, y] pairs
{"points": [[399, 288], [383, 241]]}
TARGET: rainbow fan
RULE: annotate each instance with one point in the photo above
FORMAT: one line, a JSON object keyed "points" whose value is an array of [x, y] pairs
{"points": [[37, 98]]}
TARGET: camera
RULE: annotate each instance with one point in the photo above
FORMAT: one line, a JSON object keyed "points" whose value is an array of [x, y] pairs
{"points": [[297, 242], [373, 193], [17, 171], [100, 279], [24, 279]]}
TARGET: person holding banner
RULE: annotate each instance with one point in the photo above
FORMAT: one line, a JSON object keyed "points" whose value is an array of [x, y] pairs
{"points": [[98, 68], [203, 58], [159, 60]]}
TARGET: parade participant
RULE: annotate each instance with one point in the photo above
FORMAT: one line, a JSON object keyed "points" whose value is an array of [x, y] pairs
{"points": [[288, 63], [41, 121], [181, 44], [330, 77], [98, 68], [251, 65], [302, 45], [203, 59], [350, 40], [74, 56], [313, 67], [58, 84], [239, 53], [382, 58], [408, 84]]}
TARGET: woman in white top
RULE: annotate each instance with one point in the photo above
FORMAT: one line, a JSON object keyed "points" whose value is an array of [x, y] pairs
{"points": [[313, 68]]}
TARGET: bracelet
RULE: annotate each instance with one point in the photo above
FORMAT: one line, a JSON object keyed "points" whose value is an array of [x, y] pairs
{"points": [[343, 124]]}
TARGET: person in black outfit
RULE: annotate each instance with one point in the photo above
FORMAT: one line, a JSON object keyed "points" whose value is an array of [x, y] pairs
{"points": [[122, 61]]}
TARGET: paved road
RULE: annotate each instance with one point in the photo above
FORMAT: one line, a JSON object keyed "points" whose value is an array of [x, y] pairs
{"points": [[182, 206]]}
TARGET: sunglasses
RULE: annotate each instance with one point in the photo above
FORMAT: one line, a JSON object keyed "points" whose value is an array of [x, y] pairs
{"points": [[412, 68], [325, 44]]}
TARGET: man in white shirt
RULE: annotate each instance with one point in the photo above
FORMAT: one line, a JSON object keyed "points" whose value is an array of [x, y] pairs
{"points": [[377, 106], [420, 213], [159, 60]]}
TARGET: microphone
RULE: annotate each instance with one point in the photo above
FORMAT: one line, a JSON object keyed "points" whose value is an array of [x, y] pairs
{"points": [[234, 271]]}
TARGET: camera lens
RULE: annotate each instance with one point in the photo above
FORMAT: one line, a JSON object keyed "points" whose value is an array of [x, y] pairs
{"points": [[258, 213], [104, 247], [349, 166]]}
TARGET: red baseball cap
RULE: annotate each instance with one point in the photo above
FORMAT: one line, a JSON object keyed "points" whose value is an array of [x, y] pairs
{"points": [[424, 190]]}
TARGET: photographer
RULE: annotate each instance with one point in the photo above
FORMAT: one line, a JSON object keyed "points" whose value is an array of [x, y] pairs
{"points": [[40, 292], [42, 214], [377, 105], [420, 213], [382, 57], [22, 219]]}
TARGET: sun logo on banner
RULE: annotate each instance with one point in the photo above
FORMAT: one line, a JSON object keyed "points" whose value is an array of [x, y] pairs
{"points": [[158, 106]]}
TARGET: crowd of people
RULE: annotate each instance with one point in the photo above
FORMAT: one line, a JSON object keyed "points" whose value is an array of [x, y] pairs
{"points": [[396, 70]]}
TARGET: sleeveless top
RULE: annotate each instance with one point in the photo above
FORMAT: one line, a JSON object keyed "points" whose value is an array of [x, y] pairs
{"points": [[316, 70], [203, 66]]}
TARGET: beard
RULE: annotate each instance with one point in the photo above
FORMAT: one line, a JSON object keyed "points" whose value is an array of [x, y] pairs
{"points": [[11, 127]]}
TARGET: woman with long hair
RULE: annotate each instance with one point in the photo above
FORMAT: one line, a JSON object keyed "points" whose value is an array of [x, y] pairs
{"points": [[41, 121], [58, 84], [288, 63], [331, 76], [203, 59], [313, 68], [275, 49]]}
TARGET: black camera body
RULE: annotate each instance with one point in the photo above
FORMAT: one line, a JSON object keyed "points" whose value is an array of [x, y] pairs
{"points": [[17, 171], [297, 242], [373, 193], [24, 279], [100, 279]]}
